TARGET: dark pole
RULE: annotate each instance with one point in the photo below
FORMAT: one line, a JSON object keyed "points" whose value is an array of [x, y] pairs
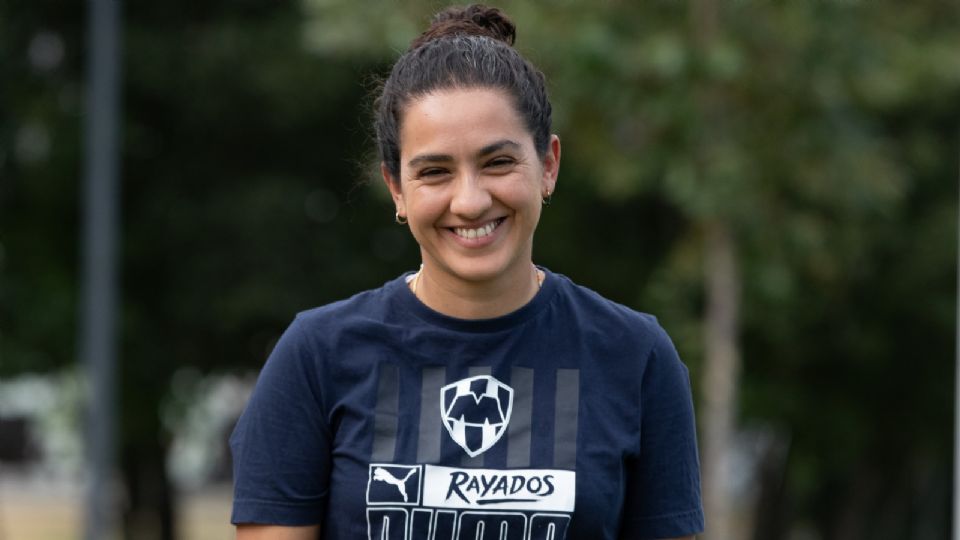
{"points": [[98, 316], [956, 397]]}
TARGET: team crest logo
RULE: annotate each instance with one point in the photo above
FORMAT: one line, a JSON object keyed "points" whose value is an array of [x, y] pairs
{"points": [[476, 411]]}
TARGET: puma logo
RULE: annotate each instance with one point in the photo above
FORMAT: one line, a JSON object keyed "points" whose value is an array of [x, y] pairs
{"points": [[384, 475]]}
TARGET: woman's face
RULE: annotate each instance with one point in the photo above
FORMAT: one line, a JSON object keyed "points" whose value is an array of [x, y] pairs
{"points": [[471, 184]]}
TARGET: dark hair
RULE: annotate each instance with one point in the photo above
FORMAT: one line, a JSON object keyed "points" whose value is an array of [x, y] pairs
{"points": [[465, 47]]}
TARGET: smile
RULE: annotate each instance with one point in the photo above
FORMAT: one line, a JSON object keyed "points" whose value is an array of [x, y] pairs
{"points": [[479, 232]]}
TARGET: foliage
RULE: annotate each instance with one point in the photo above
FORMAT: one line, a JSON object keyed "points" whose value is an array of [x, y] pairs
{"points": [[828, 129]]}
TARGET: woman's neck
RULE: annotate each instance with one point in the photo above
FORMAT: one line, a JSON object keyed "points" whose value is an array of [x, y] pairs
{"points": [[476, 300]]}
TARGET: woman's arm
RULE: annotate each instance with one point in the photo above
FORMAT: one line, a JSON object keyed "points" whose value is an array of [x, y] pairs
{"points": [[663, 481], [274, 532], [287, 487]]}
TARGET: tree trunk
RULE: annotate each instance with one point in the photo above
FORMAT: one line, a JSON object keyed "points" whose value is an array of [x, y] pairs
{"points": [[771, 506], [720, 376], [148, 513], [721, 371], [148, 510]]}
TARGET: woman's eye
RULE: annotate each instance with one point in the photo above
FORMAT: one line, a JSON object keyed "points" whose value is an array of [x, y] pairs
{"points": [[432, 172], [500, 162]]}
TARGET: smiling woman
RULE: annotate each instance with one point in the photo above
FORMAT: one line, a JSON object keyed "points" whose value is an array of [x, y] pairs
{"points": [[472, 198], [481, 396]]}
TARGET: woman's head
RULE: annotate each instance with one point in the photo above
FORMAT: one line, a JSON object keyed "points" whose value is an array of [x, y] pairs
{"points": [[469, 47]]}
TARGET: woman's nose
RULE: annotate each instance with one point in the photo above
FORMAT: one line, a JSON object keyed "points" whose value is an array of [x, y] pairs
{"points": [[470, 198]]}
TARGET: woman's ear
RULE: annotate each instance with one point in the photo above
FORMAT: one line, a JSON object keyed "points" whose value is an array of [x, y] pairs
{"points": [[551, 166], [393, 184]]}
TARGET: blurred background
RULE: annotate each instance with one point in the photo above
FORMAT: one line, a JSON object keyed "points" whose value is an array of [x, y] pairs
{"points": [[776, 181]]}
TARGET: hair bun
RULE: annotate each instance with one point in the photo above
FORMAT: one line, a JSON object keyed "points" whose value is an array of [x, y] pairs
{"points": [[473, 20]]}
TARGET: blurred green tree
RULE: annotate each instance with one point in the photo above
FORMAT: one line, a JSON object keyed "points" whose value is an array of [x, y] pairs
{"points": [[822, 135], [773, 149], [241, 206]]}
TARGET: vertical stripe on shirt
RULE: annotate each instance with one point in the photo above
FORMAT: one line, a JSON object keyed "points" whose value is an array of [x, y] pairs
{"points": [[567, 415], [518, 431], [466, 460], [386, 414], [431, 427]]}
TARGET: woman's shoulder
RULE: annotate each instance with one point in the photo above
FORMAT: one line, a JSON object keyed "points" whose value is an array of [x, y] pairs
{"points": [[593, 306], [613, 327], [369, 305]]}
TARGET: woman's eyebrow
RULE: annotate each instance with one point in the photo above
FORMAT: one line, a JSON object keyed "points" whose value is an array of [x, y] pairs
{"points": [[429, 158], [499, 145], [444, 158]]}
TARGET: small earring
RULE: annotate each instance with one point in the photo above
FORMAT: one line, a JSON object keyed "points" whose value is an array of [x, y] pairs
{"points": [[547, 199], [402, 220]]}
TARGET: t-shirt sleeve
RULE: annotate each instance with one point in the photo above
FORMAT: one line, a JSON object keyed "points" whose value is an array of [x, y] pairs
{"points": [[662, 498], [281, 443]]}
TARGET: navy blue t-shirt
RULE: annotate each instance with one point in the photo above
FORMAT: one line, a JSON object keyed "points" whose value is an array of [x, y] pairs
{"points": [[377, 417]]}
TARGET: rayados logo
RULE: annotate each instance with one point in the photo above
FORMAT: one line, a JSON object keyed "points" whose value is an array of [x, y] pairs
{"points": [[476, 412], [516, 489], [499, 488]]}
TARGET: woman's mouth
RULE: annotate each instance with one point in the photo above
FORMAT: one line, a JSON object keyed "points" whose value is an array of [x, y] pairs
{"points": [[479, 232]]}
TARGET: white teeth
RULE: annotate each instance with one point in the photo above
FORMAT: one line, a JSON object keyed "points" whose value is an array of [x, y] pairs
{"points": [[476, 233]]}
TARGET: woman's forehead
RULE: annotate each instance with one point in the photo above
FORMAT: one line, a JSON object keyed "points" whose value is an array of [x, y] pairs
{"points": [[461, 120]]}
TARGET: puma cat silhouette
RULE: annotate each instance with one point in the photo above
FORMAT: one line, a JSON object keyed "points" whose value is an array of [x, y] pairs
{"points": [[384, 476]]}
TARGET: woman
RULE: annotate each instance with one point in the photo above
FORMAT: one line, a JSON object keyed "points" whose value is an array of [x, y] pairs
{"points": [[482, 396]]}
